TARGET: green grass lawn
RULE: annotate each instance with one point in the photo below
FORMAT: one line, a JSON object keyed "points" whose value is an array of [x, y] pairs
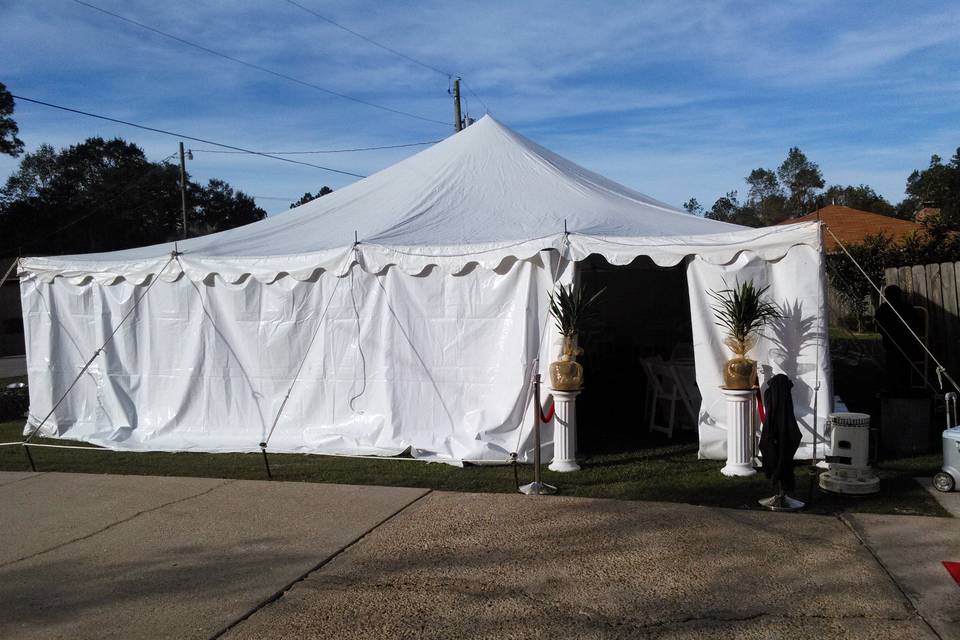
{"points": [[669, 473]]}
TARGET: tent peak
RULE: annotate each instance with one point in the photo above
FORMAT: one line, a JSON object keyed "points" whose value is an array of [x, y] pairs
{"points": [[484, 189]]}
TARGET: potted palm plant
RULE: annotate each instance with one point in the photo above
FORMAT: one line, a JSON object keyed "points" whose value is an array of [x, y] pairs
{"points": [[572, 307], [742, 311]]}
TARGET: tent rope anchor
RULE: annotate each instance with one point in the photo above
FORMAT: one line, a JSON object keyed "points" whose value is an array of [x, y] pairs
{"points": [[266, 461], [33, 467]]}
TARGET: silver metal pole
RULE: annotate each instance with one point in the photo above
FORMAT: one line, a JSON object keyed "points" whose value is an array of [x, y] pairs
{"points": [[537, 488]]}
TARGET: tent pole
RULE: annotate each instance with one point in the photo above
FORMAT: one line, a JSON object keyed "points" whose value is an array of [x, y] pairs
{"points": [[823, 324]]}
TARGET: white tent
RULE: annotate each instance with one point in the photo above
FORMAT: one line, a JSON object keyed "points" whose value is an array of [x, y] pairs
{"points": [[405, 311]]}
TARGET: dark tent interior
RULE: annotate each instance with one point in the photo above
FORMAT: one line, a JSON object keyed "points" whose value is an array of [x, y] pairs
{"points": [[638, 359]]}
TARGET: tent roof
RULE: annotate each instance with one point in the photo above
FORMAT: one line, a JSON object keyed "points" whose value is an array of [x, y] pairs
{"points": [[480, 196]]}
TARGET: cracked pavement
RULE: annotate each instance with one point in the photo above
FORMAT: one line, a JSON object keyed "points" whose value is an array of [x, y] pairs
{"points": [[98, 556], [485, 566], [89, 556]]}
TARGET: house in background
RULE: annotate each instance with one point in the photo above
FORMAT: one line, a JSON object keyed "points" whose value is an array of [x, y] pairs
{"points": [[852, 226]]}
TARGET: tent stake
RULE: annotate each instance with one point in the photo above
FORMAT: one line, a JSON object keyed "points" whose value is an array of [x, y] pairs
{"points": [[26, 449], [266, 461]]}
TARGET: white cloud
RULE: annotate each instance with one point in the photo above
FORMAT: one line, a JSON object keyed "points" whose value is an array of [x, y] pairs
{"points": [[677, 99]]}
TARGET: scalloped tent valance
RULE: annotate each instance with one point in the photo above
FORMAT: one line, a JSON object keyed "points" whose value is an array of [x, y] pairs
{"points": [[482, 196]]}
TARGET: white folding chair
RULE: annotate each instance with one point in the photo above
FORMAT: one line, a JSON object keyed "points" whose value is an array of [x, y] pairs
{"points": [[665, 394], [648, 395], [685, 378]]}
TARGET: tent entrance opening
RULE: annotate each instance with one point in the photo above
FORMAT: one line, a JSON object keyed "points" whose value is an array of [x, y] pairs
{"points": [[640, 388]]}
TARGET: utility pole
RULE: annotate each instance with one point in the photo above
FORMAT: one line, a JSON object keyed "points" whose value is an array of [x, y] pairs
{"points": [[183, 190], [457, 118]]}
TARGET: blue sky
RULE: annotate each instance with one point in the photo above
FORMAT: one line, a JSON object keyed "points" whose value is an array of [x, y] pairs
{"points": [[675, 99]]}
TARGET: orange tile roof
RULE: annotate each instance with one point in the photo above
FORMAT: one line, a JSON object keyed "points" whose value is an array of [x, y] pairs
{"points": [[853, 225]]}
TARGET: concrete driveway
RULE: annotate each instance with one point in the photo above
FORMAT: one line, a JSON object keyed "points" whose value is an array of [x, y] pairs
{"points": [[136, 557], [94, 556]]}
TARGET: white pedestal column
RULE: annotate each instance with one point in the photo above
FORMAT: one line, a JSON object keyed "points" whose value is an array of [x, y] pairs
{"points": [[739, 419], [564, 431]]}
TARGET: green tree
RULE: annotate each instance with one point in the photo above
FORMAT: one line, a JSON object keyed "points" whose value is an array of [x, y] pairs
{"points": [[860, 197], [102, 195], [729, 209], [219, 207], [10, 144], [307, 197], [873, 254], [725, 208], [693, 206], [803, 179], [939, 184], [765, 196]]}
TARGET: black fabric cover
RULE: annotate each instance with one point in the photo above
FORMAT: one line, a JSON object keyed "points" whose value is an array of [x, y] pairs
{"points": [[780, 436], [899, 345]]}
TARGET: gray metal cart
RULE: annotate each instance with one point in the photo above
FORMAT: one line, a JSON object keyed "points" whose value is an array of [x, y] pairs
{"points": [[949, 477]]}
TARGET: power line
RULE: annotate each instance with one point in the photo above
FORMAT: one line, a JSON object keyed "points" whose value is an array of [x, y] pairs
{"points": [[295, 153], [256, 66], [474, 94], [186, 137], [425, 65]]}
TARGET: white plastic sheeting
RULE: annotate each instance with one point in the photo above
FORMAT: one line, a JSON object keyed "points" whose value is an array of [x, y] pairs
{"points": [[795, 345], [436, 363], [423, 335]]}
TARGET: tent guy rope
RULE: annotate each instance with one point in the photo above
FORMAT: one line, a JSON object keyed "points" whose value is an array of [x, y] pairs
{"points": [[346, 263], [136, 303], [13, 265], [862, 354], [941, 370]]}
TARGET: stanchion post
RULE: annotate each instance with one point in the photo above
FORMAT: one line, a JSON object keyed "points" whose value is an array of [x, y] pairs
{"points": [[537, 487]]}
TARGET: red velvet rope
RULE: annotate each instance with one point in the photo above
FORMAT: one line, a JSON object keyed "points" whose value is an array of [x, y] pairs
{"points": [[549, 415], [760, 409]]}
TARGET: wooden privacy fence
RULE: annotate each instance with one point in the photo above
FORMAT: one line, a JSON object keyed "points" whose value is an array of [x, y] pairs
{"points": [[934, 288]]}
